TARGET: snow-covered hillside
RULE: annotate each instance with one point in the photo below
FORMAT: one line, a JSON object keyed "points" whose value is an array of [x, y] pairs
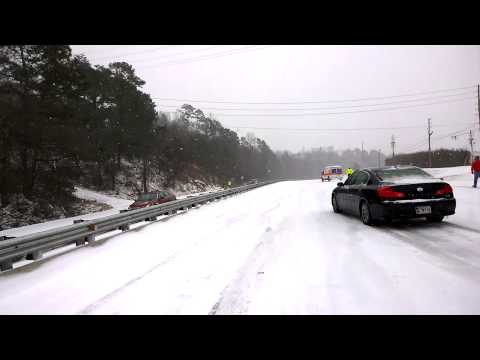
{"points": [[82, 193], [116, 202]]}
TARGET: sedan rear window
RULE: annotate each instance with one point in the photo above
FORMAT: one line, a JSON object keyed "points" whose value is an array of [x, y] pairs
{"points": [[146, 197], [390, 174]]}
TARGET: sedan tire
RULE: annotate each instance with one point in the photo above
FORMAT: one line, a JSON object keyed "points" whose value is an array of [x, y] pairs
{"points": [[365, 214], [336, 209]]}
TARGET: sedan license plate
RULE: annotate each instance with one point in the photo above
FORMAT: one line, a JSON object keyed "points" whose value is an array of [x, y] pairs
{"points": [[420, 210]]}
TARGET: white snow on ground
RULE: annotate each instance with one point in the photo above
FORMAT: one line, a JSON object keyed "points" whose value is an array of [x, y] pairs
{"points": [[114, 202], [278, 249], [82, 193], [468, 199], [449, 172]]}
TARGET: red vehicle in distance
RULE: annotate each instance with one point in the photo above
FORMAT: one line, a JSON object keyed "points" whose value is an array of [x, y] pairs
{"points": [[152, 198]]}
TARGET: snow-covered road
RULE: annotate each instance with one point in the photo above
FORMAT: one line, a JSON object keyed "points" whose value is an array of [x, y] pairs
{"points": [[278, 249]]}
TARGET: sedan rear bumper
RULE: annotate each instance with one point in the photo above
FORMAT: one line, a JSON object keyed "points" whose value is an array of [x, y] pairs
{"points": [[396, 210]]}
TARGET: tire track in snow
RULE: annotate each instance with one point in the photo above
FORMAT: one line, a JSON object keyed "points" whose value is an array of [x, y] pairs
{"points": [[247, 274], [458, 265], [92, 307], [233, 295], [228, 221]]}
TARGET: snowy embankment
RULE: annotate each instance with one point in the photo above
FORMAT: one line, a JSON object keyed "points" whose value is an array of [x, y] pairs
{"points": [[82, 193], [117, 203], [278, 249]]}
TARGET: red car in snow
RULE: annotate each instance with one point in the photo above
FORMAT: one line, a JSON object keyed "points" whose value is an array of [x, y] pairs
{"points": [[152, 198]]}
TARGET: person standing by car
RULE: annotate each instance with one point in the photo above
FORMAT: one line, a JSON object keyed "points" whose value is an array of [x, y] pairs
{"points": [[476, 170], [349, 172]]}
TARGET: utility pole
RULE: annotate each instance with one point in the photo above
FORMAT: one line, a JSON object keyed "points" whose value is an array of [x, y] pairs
{"points": [[429, 146], [478, 99], [470, 140], [362, 154], [378, 157], [393, 147]]}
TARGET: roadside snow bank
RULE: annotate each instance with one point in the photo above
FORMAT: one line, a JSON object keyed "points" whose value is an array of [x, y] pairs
{"points": [[92, 205], [449, 171]]}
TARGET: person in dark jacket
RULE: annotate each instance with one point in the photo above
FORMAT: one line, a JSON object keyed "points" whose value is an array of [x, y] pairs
{"points": [[476, 170]]}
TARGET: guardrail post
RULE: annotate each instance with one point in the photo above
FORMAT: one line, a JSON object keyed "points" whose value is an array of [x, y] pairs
{"points": [[6, 265], [151, 218], [124, 227], [87, 239], [34, 255]]}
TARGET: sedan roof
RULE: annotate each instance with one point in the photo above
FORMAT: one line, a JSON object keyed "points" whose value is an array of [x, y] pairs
{"points": [[393, 167]]}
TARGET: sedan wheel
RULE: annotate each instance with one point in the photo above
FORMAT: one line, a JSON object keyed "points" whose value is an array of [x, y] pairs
{"points": [[365, 214], [336, 209]]}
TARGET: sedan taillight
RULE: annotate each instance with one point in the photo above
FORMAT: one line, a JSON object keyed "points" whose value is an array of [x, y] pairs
{"points": [[386, 192], [444, 190]]}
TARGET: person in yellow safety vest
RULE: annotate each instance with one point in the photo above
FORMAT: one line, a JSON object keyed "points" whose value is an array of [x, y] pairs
{"points": [[349, 172]]}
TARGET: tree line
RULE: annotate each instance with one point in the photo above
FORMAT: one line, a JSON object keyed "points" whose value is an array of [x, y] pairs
{"points": [[64, 120], [440, 158], [309, 164]]}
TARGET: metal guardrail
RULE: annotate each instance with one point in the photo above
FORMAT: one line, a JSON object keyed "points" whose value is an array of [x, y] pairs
{"points": [[33, 246]]}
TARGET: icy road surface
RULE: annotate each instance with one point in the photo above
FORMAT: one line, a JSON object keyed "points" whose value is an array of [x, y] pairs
{"points": [[274, 250]]}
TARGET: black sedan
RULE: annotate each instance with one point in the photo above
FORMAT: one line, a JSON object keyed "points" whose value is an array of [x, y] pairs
{"points": [[384, 194]]}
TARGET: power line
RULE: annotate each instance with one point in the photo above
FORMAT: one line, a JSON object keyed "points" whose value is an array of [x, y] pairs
{"points": [[334, 129], [328, 129], [133, 53], [209, 56], [101, 50], [173, 55], [346, 112], [311, 102], [451, 134], [323, 108]]}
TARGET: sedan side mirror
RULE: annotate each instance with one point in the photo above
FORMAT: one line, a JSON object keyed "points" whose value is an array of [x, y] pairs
{"points": [[340, 184]]}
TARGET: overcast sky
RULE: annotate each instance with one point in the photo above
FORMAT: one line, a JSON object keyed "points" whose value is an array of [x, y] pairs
{"points": [[316, 81]]}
